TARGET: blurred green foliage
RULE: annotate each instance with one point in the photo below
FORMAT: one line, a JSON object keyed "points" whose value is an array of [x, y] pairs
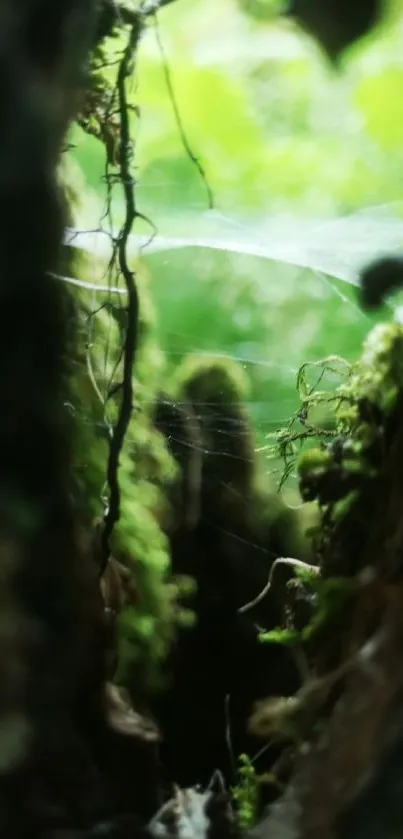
{"points": [[279, 133]]}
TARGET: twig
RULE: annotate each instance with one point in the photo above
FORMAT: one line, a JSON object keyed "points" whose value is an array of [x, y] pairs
{"points": [[294, 563], [129, 351], [228, 733], [185, 142], [89, 286]]}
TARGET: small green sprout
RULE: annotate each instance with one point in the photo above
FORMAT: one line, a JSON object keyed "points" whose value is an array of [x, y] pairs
{"points": [[246, 793]]}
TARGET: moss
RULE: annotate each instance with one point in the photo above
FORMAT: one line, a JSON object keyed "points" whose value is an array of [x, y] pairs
{"points": [[377, 379], [367, 399], [246, 793], [138, 540], [221, 378], [343, 508], [314, 461]]}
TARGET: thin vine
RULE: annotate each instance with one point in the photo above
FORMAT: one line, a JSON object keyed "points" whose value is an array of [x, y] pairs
{"points": [[130, 345]]}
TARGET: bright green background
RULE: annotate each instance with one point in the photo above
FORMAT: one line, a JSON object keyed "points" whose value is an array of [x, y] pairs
{"points": [[280, 135]]}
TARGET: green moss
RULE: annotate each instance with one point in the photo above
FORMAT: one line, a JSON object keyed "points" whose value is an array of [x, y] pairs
{"points": [[343, 507], [280, 636], [246, 793], [378, 378], [332, 595], [144, 629], [314, 460], [334, 475], [219, 379], [217, 389]]}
